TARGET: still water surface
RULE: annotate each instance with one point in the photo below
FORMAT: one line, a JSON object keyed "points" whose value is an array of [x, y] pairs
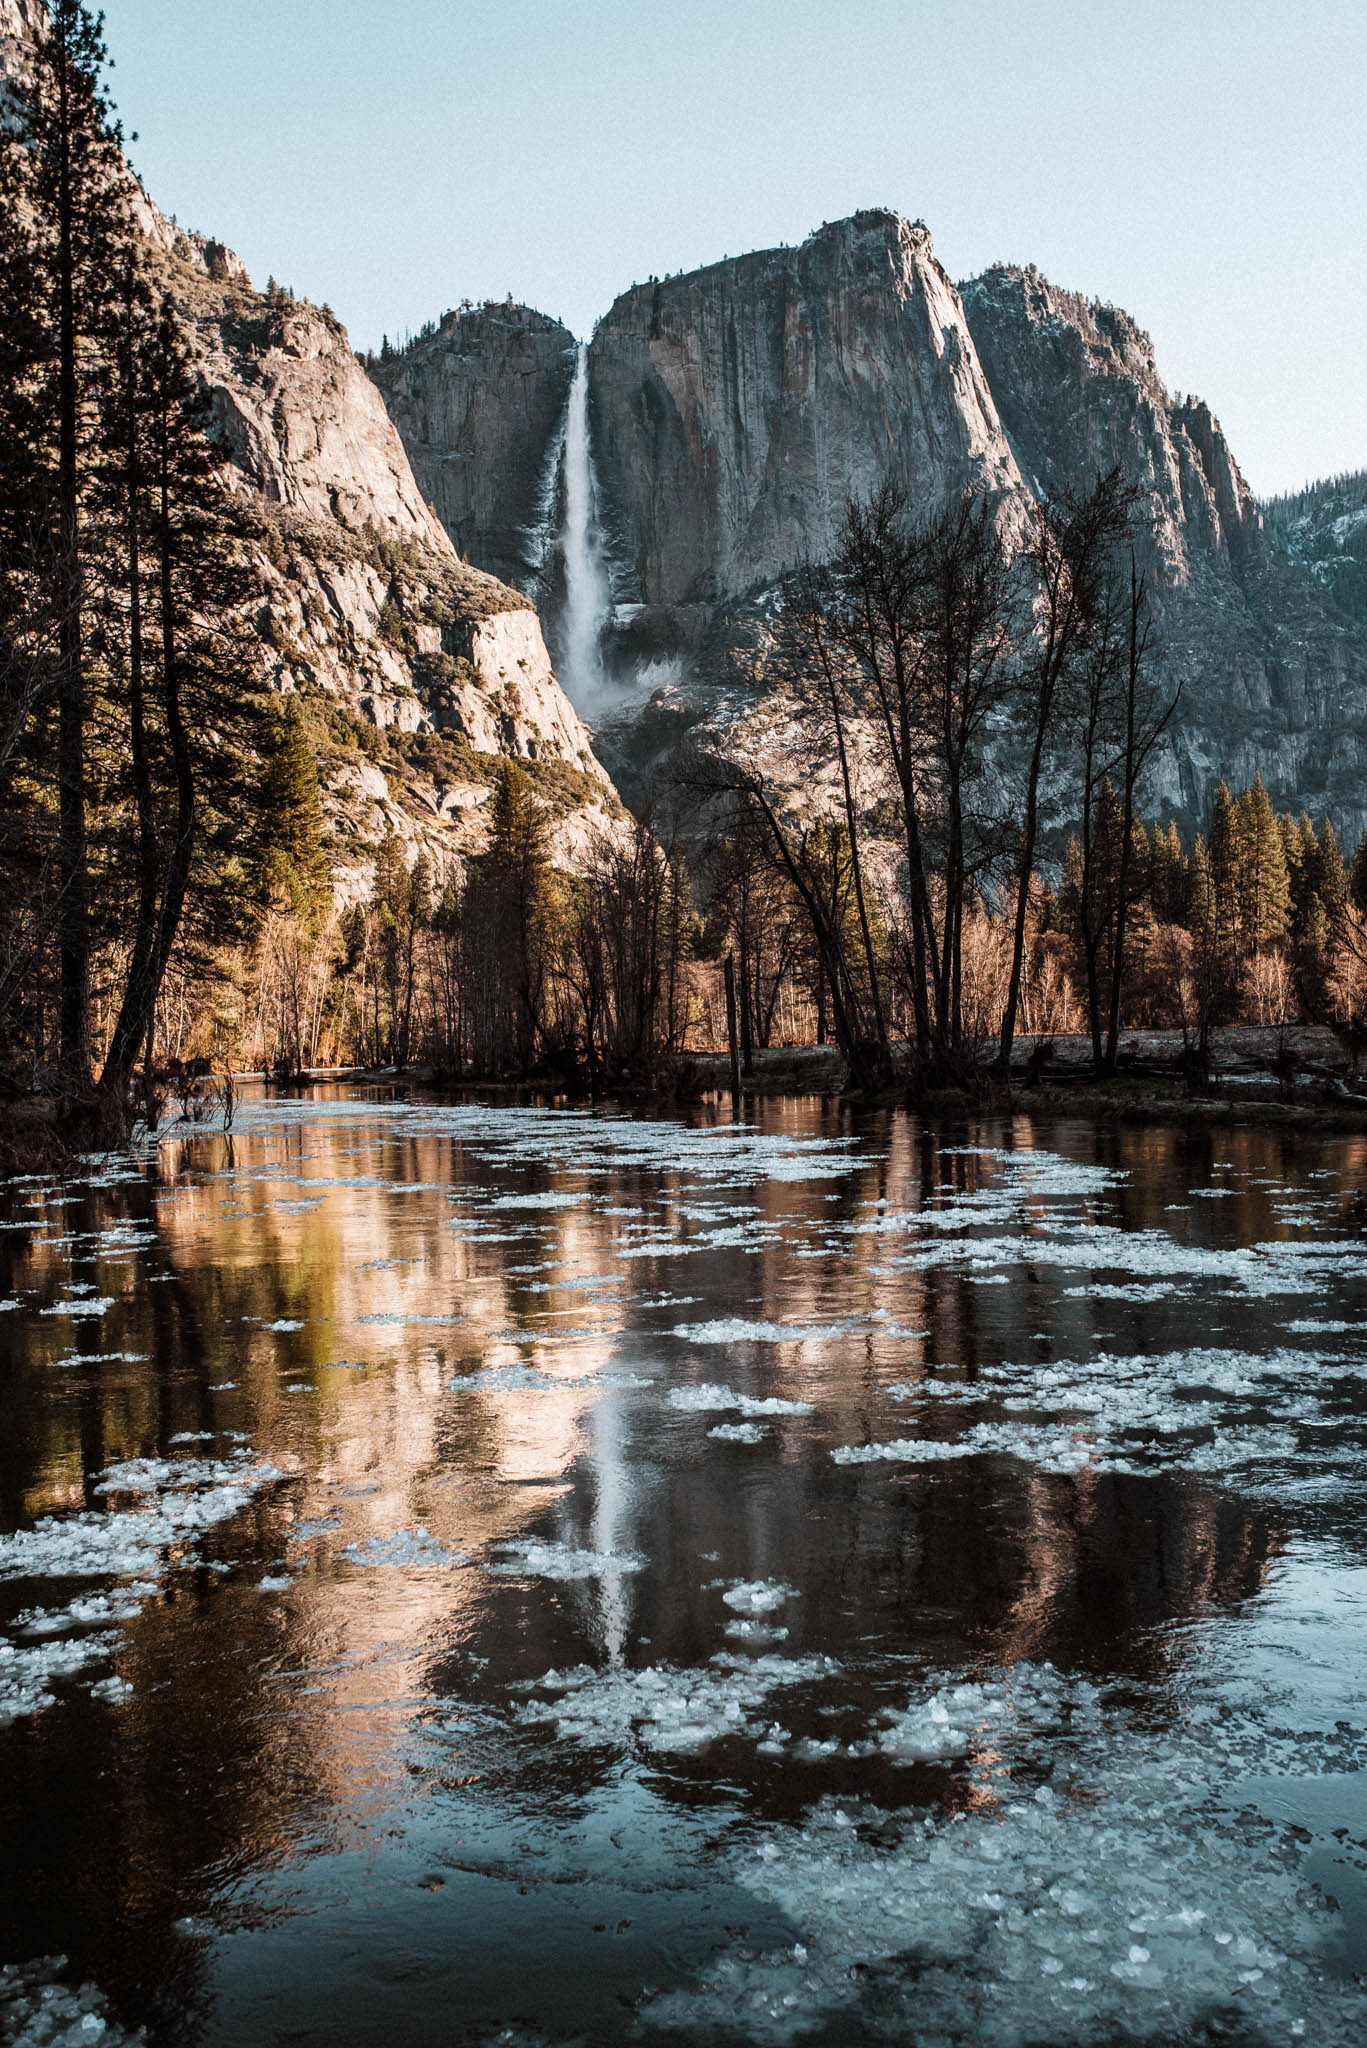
{"points": [[481, 1574]]}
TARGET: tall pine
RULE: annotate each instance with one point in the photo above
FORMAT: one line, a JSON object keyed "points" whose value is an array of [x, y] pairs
{"points": [[65, 187]]}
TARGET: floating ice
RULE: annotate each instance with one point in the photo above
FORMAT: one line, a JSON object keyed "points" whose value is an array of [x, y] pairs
{"points": [[38, 2011], [404, 1550], [667, 1708], [736, 1330], [538, 1560], [1180, 1410], [739, 1432], [26, 1675], [758, 1596], [131, 1542], [1099, 1888], [711, 1399], [88, 1610]]}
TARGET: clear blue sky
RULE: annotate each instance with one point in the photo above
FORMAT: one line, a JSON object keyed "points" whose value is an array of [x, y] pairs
{"points": [[1201, 164]]}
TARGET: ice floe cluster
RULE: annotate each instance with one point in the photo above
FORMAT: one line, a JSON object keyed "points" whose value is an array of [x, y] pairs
{"points": [[537, 1560], [712, 1399], [669, 1708], [175, 1500], [39, 2010], [403, 1550], [1099, 1885], [1206, 1410]]}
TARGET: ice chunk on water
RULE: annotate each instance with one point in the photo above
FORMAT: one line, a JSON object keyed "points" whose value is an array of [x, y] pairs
{"points": [[404, 1550], [712, 1399], [27, 1675], [38, 2011], [758, 1596], [736, 1330], [1121, 1900], [533, 1559], [130, 1543], [664, 1707]]}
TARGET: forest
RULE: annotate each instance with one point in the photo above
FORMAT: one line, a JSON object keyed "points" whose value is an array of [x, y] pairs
{"points": [[932, 838]]}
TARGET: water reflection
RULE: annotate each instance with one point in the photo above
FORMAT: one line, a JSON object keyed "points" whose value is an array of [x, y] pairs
{"points": [[451, 1337]]}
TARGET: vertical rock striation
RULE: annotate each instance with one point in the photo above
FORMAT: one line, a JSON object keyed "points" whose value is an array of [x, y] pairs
{"points": [[735, 409]]}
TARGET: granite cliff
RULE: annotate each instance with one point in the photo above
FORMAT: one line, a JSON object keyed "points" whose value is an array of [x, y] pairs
{"points": [[365, 600], [478, 400], [735, 408], [1275, 670]]}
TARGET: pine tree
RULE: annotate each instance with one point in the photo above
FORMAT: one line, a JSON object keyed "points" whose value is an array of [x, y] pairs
{"points": [[1170, 882], [65, 187], [510, 913], [291, 863], [1201, 912], [1293, 852], [177, 602], [1357, 875], [1261, 886], [1334, 889], [1222, 872]]}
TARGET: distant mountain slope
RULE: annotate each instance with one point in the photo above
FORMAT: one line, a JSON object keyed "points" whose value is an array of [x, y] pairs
{"points": [[1323, 530], [1275, 676]]}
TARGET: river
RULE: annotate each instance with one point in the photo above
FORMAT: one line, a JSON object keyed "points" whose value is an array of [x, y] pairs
{"points": [[503, 1574]]}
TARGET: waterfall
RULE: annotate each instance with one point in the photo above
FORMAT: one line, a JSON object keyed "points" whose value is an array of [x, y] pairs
{"points": [[587, 597]]}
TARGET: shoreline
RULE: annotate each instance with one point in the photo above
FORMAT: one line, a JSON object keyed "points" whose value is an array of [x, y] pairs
{"points": [[1321, 1094]]}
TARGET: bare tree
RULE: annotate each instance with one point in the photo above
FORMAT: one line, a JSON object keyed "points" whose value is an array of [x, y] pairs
{"points": [[1071, 552]]}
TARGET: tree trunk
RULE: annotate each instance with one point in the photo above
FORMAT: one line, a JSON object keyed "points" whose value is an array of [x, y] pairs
{"points": [[73, 911]]}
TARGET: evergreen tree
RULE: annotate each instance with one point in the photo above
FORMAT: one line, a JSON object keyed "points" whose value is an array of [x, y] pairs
{"points": [[510, 918], [1261, 886], [1169, 879], [67, 234], [291, 866], [1293, 852], [1334, 888], [189, 660], [1357, 875], [1220, 910]]}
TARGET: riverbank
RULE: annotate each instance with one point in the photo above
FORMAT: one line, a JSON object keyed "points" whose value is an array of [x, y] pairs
{"points": [[1299, 1075]]}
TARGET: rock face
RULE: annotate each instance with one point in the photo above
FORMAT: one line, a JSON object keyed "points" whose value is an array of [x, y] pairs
{"points": [[364, 594], [1078, 391], [1323, 530], [1274, 671], [734, 410], [478, 402]]}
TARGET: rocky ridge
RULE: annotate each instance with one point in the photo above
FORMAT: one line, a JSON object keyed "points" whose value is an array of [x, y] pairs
{"points": [[737, 408], [364, 597], [1275, 676], [734, 409], [367, 609]]}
